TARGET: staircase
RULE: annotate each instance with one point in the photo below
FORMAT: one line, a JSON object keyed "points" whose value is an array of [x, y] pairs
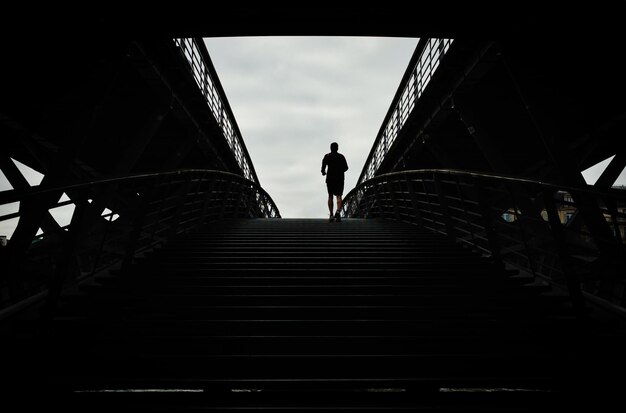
{"points": [[293, 314]]}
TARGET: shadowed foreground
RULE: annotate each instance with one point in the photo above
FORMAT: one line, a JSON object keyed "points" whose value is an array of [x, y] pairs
{"points": [[300, 313]]}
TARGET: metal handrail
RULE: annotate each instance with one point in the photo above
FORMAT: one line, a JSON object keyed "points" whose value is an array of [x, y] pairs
{"points": [[150, 208], [459, 172], [514, 221], [426, 59], [203, 72], [15, 195]]}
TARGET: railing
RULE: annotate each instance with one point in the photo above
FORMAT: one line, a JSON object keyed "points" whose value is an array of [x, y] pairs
{"points": [[526, 224], [430, 52], [115, 219], [202, 70]]}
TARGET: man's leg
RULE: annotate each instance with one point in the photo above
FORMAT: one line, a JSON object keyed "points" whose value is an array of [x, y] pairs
{"points": [[330, 204], [338, 213]]}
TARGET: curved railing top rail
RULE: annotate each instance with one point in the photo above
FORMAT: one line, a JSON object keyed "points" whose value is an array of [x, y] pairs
{"points": [[111, 220], [571, 237], [14, 195], [457, 172]]}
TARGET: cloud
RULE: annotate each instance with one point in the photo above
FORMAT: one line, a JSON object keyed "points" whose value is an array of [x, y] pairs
{"points": [[293, 96]]}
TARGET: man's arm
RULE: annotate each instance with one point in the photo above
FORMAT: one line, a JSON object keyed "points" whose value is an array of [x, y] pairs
{"points": [[345, 164], [324, 164]]}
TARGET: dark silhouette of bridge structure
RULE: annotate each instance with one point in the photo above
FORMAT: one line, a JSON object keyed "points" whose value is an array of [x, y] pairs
{"points": [[474, 270]]}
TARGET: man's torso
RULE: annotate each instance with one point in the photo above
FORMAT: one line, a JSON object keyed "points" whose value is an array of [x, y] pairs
{"points": [[336, 166]]}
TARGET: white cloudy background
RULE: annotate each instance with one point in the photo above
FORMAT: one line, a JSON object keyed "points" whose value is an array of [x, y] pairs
{"points": [[293, 96]]}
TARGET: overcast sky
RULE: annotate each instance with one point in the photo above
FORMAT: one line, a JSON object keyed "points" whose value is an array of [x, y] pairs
{"points": [[293, 96]]}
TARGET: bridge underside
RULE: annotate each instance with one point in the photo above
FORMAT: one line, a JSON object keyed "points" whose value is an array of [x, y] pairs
{"points": [[530, 92], [88, 107], [425, 19], [543, 108]]}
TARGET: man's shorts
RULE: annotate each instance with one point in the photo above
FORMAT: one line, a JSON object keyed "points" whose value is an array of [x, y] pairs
{"points": [[335, 188]]}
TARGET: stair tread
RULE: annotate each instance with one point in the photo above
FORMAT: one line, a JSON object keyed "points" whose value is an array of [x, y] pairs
{"points": [[302, 304]]}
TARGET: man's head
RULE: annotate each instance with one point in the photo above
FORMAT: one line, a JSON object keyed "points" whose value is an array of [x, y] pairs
{"points": [[334, 147]]}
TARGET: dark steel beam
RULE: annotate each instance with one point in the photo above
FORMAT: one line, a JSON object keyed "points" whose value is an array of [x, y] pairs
{"points": [[486, 144], [562, 162], [186, 100], [74, 136], [17, 181], [86, 214], [186, 144], [465, 62], [424, 19], [560, 244], [135, 149]]}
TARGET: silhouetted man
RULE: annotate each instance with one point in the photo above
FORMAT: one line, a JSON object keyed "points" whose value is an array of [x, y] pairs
{"points": [[337, 165]]}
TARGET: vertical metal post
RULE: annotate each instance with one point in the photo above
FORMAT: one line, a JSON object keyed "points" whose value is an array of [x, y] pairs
{"points": [[488, 220], [207, 202], [377, 198], [159, 185], [257, 207], [560, 243], [371, 197], [430, 204], [467, 219], [250, 200], [102, 243], [444, 207], [181, 194], [226, 194], [267, 207], [392, 195], [416, 212], [531, 262], [137, 226], [239, 201], [416, 91], [64, 260], [612, 208]]}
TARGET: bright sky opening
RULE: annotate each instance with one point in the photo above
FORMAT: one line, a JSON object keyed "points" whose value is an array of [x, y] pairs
{"points": [[293, 96]]}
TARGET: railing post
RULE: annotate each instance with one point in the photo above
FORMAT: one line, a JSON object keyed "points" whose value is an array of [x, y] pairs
{"points": [[517, 209], [225, 200], [488, 220], [359, 207], [267, 206], [445, 209], [612, 208], [392, 195], [414, 204], [250, 200], [257, 209], [64, 260], [560, 242], [87, 237], [102, 243], [180, 205], [470, 224], [377, 198], [373, 200], [239, 200], [207, 201], [135, 233]]}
